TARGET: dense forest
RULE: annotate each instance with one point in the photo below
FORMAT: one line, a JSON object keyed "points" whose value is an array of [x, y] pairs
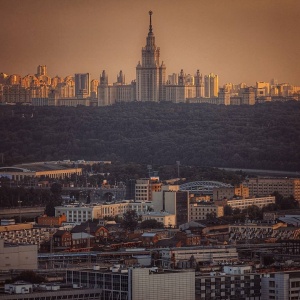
{"points": [[263, 136]]}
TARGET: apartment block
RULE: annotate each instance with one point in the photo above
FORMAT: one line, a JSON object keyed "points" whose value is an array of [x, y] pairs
{"points": [[200, 210], [83, 213], [145, 187], [171, 200], [266, 186], [244, 203], [235, 282], [281, 285]]}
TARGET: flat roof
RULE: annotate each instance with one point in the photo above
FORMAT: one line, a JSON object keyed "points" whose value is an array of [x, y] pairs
{"points": [[43, 166]]}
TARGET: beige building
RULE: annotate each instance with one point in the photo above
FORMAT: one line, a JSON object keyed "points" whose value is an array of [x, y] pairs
{"points": [[145, 187], [211, 85], [79, 213], [241, 191], [179, 94], [266, 186], [247, 96], [262, 88], [118, 209], [150, 73], [16, 94], [244, 203], [200, 210], [136, 283], [173, 201], [224, 96], [18, 256], [175, 285], [220, 193], [169, 220], [109, 94], [83, 213]]}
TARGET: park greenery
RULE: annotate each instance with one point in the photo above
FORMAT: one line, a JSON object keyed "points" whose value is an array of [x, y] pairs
{"points": [[30, 194], [262, 136]]}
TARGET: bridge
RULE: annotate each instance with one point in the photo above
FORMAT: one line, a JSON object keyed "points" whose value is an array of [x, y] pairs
{"points": [[29, 212]]}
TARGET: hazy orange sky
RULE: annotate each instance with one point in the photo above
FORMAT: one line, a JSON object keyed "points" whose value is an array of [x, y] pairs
{"points": [[240, 40]]}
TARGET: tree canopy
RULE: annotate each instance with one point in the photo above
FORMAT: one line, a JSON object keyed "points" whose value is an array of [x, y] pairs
{"points": [[262, 136], [130, 220], [151, 224]]}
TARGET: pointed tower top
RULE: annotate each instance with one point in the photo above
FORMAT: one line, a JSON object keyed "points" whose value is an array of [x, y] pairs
{"points": [[150, 26]]}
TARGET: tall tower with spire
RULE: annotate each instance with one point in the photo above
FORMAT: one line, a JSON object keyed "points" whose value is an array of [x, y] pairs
{"points": [[150, 74]]}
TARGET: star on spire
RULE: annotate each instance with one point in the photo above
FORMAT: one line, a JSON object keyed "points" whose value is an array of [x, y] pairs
{"points": [[150, 26]]}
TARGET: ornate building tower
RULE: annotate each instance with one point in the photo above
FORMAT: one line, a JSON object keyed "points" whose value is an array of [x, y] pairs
{"points": [[150, 75]]}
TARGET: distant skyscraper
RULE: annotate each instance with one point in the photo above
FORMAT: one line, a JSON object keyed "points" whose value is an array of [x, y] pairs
{"points": [[173, 79], [103, 78], [199, 84], [211, 85], [41, 70], [82, 85], [94, 88], [121, 78], [150, 74]]}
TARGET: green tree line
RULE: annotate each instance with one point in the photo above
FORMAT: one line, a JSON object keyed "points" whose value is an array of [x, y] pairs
{"points": [[264, 136]]}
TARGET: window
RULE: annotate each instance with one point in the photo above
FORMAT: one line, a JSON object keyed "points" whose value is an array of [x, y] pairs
{"points": [[272, 283]]}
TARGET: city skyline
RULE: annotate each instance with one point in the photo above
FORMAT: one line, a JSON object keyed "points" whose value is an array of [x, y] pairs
{"points": [[241, 42]]}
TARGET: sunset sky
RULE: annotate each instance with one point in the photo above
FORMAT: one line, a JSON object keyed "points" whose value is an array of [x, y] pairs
{"points": [[240, 40]]}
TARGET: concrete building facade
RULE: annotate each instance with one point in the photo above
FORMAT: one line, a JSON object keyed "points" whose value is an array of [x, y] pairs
{"points": [[169, 220], [266, 186], [150, 73], [145, 187], [235, 282], [136, 283], [244, 203], [200, 210], [282, 285], [18, 256]]}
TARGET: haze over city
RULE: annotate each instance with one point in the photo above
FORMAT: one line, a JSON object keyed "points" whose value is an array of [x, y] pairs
{"points": [[241, 41]]}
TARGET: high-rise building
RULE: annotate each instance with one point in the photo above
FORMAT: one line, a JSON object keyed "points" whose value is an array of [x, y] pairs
{"points": [[41, 70], [150, 74], [224, 96], [119, 91], [199, 85], [171, 200], [247, 96], [94, 88], [82, 85], [211, 85], [173, 79], [145, 187], [280, 285]]}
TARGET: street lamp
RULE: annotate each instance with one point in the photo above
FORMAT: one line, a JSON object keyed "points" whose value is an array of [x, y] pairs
{"points": [[20, 217]]}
